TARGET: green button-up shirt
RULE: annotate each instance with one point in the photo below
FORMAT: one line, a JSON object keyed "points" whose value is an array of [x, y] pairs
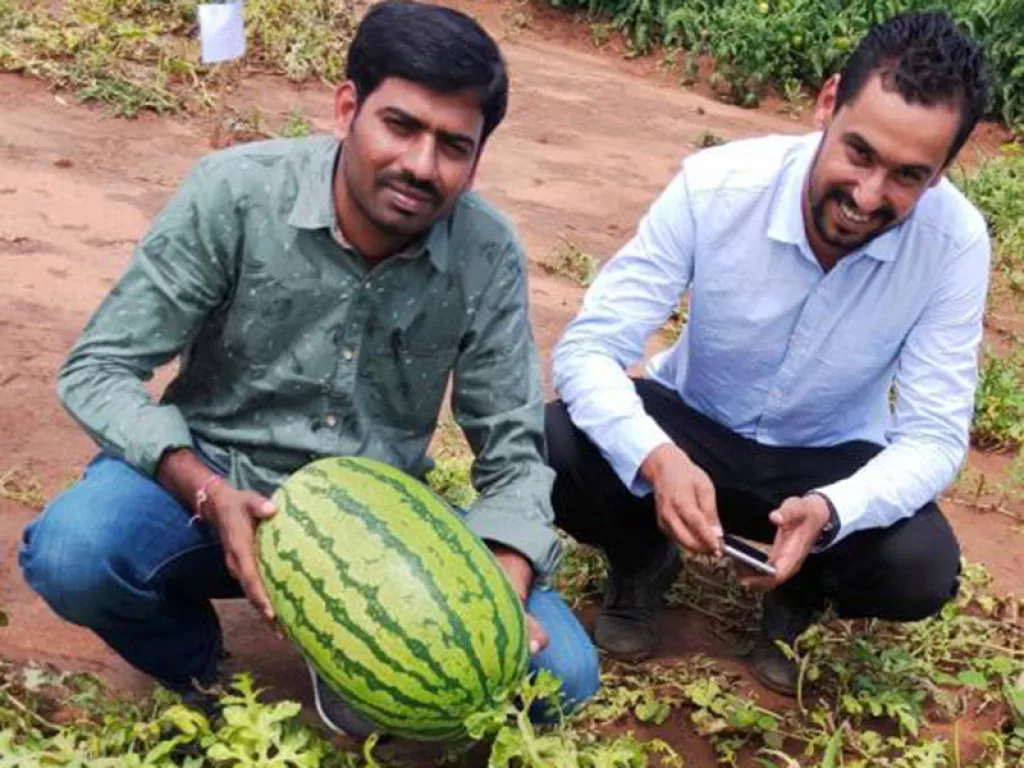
{"points": [[292, 349]]}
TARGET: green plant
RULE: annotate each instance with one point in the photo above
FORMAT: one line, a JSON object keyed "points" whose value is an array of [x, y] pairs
{"points": [[996, 187], [759, 44], [999, 403], [142, 55], [296, 125], [569, 260]]}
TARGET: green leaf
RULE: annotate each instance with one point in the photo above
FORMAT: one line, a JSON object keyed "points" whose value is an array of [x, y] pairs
{"points": [[972, 678], [652, 709], [832, 750]]}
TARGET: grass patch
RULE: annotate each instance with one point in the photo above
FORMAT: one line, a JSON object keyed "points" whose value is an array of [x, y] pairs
{"points": [[996, 187], [568, 260], [296, 125], [999, 403], [450, 477], [143, 55]]}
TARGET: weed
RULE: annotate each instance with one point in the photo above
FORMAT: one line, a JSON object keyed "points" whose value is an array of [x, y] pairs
{"points": [[709, 138], [996, 186], [451, 477], [296, 125], [999, 403], [601, 33], [569, 260], [795, 100], [22, 487], [142, 55]]}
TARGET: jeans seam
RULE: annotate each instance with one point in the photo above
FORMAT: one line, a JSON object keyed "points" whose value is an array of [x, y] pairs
{"points": [[176, 556]]}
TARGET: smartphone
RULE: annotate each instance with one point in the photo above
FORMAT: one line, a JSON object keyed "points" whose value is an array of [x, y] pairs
{"points": [[747, 554]]}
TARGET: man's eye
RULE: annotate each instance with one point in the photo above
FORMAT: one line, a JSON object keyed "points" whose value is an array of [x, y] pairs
{"points": [[860, 155]]}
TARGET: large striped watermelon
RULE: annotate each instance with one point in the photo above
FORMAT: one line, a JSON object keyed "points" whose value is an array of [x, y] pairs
{"points": [[404, 612]]}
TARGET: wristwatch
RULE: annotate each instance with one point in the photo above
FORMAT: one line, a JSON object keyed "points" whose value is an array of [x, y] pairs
{"points": [[831, 529]]}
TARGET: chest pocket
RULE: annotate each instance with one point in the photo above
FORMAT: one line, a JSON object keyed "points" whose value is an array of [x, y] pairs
{"points": [[410, 361]]}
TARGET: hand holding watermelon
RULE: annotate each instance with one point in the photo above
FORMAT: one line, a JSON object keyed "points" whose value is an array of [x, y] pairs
{"points": [[235, 514], [520, 573]]}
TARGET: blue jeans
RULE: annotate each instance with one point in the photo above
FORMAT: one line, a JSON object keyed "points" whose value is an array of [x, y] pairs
{"points": [[115, 553]]}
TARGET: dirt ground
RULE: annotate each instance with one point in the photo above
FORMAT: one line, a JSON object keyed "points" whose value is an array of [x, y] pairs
{"points": [[589, 141]]}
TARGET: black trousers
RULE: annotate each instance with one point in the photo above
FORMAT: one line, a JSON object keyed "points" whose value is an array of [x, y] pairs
{"points": [[904, 572]]}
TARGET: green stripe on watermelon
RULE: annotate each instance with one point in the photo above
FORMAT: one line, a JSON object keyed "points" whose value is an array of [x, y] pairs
{"points": [[450, 534], [376, 601], [475, 591], [381, 619], [337, 658], [461, 637]]}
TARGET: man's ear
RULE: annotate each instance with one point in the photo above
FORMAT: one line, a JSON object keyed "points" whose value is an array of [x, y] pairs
{"points": [[825, 106], [346, 105]]}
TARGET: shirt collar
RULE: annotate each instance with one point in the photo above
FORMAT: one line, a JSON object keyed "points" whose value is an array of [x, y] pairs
{"points": [[314, 203], [786, 220]]}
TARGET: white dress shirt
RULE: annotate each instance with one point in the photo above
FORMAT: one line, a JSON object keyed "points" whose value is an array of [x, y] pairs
{"points": [[776, 349]]}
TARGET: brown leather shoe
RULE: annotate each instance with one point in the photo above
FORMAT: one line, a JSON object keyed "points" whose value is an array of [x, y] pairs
{"points": [[782, 618], [625, 626]]}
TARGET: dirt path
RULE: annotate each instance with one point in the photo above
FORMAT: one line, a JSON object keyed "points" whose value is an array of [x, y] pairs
{"points": [[587, 145]]}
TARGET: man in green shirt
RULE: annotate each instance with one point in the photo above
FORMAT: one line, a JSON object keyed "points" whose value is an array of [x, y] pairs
{"points": [[319, 293]]}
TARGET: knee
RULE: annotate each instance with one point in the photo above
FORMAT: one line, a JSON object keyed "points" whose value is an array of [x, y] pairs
{"points": [[923, 579], [69, 565], [581, 677], [579, 673], [559, 433]]}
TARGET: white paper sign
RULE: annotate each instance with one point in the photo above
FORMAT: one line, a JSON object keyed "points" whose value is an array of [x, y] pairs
{"points": [[221, 31]]}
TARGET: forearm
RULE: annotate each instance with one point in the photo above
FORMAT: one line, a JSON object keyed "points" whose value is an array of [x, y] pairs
{"points": [[513, 508], [896, 483], [110, 402], [184, 474], [603, 403]]}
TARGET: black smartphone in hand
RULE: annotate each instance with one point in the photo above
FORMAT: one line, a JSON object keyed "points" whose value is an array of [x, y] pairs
{"points": [[747, 554]]}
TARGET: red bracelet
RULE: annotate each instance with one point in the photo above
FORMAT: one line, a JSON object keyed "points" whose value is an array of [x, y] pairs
{"points": [[202, 496]]}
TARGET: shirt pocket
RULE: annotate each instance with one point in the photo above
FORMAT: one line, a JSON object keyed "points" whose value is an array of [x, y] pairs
{"points": [[404, 382]]}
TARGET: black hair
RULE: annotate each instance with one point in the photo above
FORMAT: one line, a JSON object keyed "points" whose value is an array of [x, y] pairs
{"points": [[439, 48], [928, 60]]}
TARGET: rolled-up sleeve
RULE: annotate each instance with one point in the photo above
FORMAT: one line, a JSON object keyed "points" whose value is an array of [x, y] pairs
{"points": [[178, 273], [633, 295], [497, 400]]}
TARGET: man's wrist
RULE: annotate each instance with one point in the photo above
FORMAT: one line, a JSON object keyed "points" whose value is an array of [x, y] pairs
{"points": [[652, 465], [830, 529], [517, 568]]}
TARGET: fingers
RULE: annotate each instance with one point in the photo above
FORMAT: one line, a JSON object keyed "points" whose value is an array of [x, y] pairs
{"points": [[792, 512], [258, 506], [238, 537], [538, 637], [710, 531], [683, 520]]}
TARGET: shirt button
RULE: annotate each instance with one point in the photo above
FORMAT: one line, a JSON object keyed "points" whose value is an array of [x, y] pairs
{"points": [[346, 353]]}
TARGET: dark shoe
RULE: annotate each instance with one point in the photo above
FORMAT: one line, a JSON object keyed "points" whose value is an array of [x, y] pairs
{"points": [[335, 713], [625, 626], [782, 619]]}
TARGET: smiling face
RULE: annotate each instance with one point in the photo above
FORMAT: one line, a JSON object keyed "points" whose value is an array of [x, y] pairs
{"points": [[878, 156], [409, 152]]}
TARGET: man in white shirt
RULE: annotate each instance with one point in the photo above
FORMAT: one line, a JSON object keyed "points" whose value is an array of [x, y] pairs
{"points": [[820, 396]]}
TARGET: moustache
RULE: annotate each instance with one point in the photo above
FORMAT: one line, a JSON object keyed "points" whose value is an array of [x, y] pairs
{"points": [[406, 179]]}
